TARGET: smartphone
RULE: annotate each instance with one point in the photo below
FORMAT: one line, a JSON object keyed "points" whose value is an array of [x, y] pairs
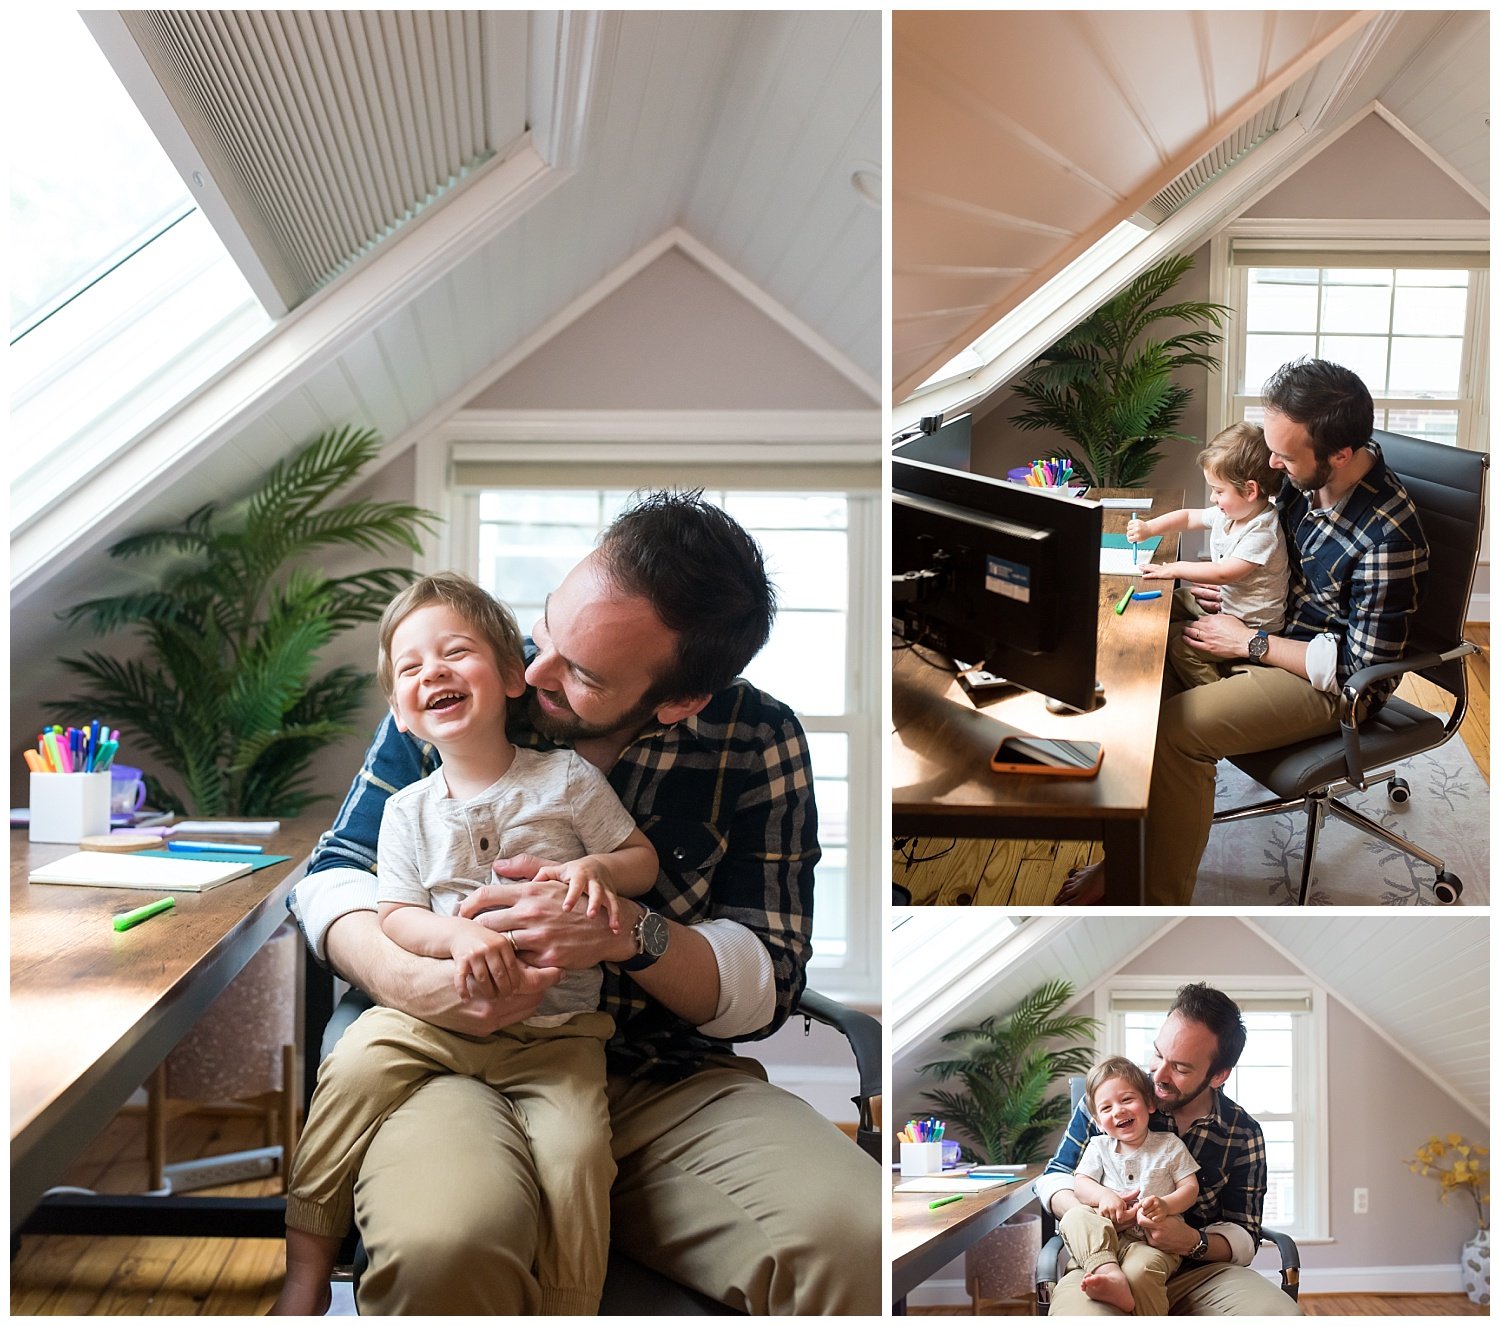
{"points": [[1035, 755]]}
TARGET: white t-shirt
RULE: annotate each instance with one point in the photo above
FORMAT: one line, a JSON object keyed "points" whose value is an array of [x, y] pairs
{"points": [[1259, 600], [434, 850], [1155, 1168]]}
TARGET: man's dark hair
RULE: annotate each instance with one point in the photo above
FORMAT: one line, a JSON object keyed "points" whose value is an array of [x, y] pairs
{"points": [[1326, 399], [705, 578], [1220, 1014]]}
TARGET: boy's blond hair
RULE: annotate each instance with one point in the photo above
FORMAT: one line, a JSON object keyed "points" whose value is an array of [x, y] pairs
{"points": [[1117, 1066], [490, 619], [1238, 455]]}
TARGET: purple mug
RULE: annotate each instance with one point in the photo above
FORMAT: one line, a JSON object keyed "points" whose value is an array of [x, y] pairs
{"points": [[127, 789]]}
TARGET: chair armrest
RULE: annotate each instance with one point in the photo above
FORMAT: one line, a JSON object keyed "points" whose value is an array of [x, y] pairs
{"points": [[1051, 1266], [1291, 1259], [861, 1030], [1354, 691]]}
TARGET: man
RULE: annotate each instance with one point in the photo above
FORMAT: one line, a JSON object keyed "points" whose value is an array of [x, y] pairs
{"points": [[1358, 559], [1197, 1046], [724, 1183]]}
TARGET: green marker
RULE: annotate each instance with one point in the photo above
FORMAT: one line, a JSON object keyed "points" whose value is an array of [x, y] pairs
{"points": [[944, 1201], [127, 919], [1124, 602]]}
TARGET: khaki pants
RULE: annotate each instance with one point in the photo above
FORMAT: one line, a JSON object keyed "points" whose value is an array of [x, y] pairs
{"points": [[1214, 1289], [1252, 708], [1192, 667], [726, 1184], [552, 1081], [1093, 1240]]}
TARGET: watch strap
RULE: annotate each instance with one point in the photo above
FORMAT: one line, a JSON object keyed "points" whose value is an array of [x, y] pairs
{"points": [[643, 958]]}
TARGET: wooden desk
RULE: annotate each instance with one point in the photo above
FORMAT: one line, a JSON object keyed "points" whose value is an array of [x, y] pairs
{"points": [[923, 1241], [941, 781], [92, 1012]]}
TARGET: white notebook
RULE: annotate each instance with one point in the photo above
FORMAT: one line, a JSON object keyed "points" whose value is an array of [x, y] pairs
{"points": [[117, 870]]}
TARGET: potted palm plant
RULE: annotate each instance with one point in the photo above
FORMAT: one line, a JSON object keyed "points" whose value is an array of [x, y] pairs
{"points": [[225, 695], [1113, 394], [1008, 1065]]}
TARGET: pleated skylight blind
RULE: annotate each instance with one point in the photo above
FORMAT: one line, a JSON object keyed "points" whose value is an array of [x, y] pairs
{"points": [[326, 130]]}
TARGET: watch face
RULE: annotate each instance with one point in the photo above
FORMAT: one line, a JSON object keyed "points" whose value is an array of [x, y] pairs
{"points": [[1258, 646], [653, 935]]}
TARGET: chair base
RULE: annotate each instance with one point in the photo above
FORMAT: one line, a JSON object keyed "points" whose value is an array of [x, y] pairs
{"points": [[1319, 804]]}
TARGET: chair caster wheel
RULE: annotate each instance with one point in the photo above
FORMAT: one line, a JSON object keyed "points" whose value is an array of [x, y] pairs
{"points": [[1399, 791], [1448, 888]]}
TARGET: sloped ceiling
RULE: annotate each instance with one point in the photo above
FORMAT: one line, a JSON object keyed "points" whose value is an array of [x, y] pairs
{"points": [[1020, 138], [741, 130], [1421, 981]]}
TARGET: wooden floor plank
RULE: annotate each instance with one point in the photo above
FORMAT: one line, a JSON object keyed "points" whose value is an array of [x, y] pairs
{"points": [[1409, 1306]]}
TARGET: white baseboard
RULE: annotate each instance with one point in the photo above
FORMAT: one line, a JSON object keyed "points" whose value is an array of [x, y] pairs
{"points": [[1441, 1279]]}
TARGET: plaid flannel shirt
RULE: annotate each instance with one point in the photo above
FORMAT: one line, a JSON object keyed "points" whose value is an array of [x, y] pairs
{"points": [[1230, 1150], [1356, 570], [726, 798]]}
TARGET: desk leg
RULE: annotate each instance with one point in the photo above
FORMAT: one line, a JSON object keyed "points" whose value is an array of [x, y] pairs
{"points": [[1125, 854]]}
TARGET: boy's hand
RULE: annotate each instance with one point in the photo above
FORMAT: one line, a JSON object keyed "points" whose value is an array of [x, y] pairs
{"points": [[1151, 1208], [1136, 530], [1158, 571], [485, 963], [587, 875], [1119, 1208]]}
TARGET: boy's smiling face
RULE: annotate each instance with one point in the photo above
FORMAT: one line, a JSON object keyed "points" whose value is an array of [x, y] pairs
{"points": [[446, 682], [1121, 1111]]}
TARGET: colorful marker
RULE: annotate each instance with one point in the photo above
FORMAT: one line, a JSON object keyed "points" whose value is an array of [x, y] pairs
{"points": [[128, 919], [945, 1201], [1123, 603], [1148, 594]]}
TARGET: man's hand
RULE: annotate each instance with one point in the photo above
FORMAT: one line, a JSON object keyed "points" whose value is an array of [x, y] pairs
{"points": [[1119, 1208], [545, 934], [1220, 636], [485, 962], [1209, 597], [1170, 1233], [424, 987]]}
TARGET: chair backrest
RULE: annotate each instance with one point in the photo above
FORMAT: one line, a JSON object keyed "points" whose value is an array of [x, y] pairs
{"points": [[1447, 486]]}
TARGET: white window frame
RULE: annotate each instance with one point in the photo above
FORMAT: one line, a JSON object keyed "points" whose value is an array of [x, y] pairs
{"points": [[1310, 1079], [691, 445], [1229, 285]]}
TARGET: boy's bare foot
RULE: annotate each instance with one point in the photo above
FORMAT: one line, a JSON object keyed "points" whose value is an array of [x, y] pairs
{"points": [[1084, 887], [1107, 1284]]}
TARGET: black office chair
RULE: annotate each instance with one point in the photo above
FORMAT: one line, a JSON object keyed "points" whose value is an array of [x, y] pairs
{"points": [[631, 1289], [1052, 1262], [1447, 486]]}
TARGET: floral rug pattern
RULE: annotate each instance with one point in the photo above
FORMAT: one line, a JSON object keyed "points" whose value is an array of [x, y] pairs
{"points": [[1259, 862]]}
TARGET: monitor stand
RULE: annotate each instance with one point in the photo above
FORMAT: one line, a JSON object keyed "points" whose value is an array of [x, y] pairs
{"points": [[985, 688]]}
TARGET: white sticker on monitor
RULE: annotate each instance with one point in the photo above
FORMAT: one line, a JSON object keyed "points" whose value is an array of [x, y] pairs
{"points": [[1009, 579]]}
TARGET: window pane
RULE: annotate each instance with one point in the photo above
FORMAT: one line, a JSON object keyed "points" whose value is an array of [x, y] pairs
{"points": [[1264, 354], [1357, 308], [803, 665], [1430, 310], [808, 567], [1281, 1206], [1432, 276], [1426, 364], [1435, 425], [1262, 1090], [788, 510], [1276, 305], [1364, 355]]}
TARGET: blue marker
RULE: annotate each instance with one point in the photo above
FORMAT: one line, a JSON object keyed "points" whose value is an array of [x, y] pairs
{"points": [[1149, 594], [1135, 548], [178, 845]]}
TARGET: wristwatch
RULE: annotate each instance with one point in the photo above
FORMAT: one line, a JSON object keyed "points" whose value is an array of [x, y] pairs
{"points": [[650, 935], [1200, 1251], [1260, 642]]}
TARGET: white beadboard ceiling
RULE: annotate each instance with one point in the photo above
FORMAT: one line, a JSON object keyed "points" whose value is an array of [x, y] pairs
{"points": [[1422, 982], [740, 131], [1020, 138]]}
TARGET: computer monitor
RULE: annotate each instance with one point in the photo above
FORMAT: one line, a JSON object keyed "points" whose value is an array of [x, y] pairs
{"points": [[997, 575]]}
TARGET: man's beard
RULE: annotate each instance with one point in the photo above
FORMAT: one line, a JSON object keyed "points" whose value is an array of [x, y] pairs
{"points": [[1177, 1098], [1319, 478], [567, 729]]}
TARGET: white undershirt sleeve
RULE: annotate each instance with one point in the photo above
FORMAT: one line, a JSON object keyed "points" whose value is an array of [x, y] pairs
{"points": [[747, 983], [1323, 663], [322, 897], [1241, 1246]]}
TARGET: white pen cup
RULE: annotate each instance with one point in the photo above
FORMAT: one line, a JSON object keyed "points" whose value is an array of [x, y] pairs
{"points": [[921, 1158], [68, 807]]}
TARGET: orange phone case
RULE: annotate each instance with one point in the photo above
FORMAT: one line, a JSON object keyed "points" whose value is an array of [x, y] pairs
{"points": [[1042, 770]]}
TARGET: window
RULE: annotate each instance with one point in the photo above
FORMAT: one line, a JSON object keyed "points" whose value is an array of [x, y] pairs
{"points": [[822, 551], [1414, 334], [1280, 1080]]}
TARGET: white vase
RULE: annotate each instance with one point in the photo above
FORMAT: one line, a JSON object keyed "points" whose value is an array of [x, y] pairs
{"points": [[1474, 1267]]}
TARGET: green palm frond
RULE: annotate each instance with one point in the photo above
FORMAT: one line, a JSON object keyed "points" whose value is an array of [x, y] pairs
{"points": [[1109, 391], [225, 697], [1003, 1104]]}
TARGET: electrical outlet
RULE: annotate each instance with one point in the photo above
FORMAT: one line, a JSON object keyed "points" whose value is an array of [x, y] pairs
{"points": [[1361, 1201]]}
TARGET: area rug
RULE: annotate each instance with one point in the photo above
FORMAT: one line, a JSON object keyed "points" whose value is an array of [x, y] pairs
{"points": [[1258, 863]]}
